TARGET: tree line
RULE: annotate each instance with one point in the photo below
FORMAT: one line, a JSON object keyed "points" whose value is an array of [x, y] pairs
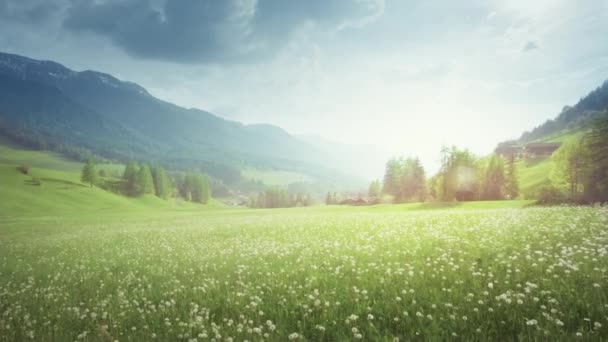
{"points": [[141, 179], [461, 177]]}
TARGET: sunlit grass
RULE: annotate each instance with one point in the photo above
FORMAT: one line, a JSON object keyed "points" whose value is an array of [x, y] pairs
{"points": [[312, 273]]}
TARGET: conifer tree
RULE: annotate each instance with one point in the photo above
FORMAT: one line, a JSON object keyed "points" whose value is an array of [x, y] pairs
{"points": [[88, 173], [130, 177]]}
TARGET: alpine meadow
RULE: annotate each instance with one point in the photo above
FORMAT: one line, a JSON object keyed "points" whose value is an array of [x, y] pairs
{"points": [[358, 170]]}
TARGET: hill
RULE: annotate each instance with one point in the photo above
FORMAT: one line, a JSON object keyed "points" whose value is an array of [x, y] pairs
{"points": [[48, 106], [61, 193], [571, 122]]}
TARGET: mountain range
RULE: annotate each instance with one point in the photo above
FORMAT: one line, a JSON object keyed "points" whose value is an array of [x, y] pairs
{"points": [[46, 105], [572, 118]]}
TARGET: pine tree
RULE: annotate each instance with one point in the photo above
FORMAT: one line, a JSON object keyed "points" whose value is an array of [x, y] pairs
{"points": [[162, 183], [130, 177], [199, 188], [596, 182], [391, 178], [88, 173], [144, 182]]}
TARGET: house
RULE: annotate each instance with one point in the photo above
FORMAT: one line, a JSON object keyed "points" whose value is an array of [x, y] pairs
{"points": [[531, 150], [540, 149], [509, 150]]}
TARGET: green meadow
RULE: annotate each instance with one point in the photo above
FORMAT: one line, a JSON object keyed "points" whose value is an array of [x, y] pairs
{"points": [[81, 264]]}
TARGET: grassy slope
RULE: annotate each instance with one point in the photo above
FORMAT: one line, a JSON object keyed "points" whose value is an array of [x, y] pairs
{"points": [[62, 193], [535, 174]]}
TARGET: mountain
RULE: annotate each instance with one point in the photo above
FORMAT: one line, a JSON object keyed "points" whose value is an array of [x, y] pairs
{"points": [[46, 105], [571, 122], [578, 117]]}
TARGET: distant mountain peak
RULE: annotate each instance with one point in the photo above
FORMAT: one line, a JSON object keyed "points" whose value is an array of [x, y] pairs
{"points": [[26, 68], [51, 105]]}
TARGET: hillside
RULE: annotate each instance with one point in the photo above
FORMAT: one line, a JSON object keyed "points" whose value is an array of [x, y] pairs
{"points": [[572, 119], [61, 192], [572, 122], [46, 105]]}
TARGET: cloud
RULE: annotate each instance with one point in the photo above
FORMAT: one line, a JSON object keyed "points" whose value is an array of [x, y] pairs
{"points": [[210, 31], [530, 45], [29, 11]]}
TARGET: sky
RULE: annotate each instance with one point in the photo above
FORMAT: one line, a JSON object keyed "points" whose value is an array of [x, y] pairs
{"points": [[405, 76]]}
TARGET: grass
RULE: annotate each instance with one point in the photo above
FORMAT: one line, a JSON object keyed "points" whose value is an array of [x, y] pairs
{"points": [[82, 264], [533, 175], [61, 192], [308, 274]]}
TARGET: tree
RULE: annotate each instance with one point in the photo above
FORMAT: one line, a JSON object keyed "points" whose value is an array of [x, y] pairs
{"points": [[162, 183], [494, 179], [130, 176], [183, 183], [569, 168], [412, 180], [199, 188], [88, 173], [457, 177], [511, 182], [391, 177], [596, 184], [404, 180], [143, 181]]}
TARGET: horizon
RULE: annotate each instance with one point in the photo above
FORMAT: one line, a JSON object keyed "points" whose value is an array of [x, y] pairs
{"points": [[345, 72]]}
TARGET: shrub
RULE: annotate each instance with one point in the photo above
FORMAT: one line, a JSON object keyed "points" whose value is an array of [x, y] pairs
{"points": [[550, 195], [24, 168], [36, 181]]}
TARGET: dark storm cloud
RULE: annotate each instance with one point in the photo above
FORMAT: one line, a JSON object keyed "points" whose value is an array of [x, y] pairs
{"points": [[28, 11], [210, 31]]}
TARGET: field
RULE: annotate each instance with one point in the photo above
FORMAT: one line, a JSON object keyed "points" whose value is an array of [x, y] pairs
{"points": [[377, 273], [82, 264]]}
